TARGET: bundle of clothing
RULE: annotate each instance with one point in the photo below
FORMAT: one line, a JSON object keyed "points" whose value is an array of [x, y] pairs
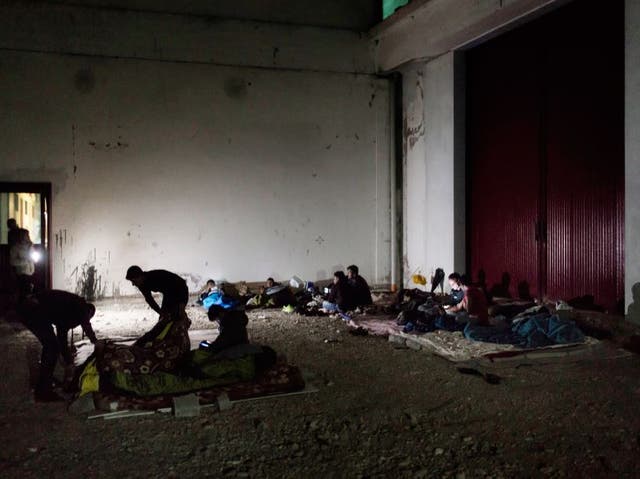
{"points": [[422, 312]]}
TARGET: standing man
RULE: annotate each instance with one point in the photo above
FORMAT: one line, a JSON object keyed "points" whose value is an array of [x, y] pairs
{"points": [[360, 287], [65, 311], [175, 294], [13, 231], [22, 262]]}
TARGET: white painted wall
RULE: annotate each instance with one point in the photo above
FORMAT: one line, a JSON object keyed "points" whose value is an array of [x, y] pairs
{"points": [[210, 171], [632, 157], [433, 206]]}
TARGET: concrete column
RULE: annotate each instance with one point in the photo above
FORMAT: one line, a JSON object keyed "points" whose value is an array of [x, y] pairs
{"points": [[434, 195], [415, 172], [632, 159]]}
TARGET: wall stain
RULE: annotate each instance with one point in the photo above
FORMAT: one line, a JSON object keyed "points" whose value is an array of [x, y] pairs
{"points": [[88, 282], [84, 80], [109, 145], [414, 134], [235, 88]]}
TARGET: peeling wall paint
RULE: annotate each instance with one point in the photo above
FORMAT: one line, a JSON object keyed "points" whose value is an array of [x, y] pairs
{"points": [[430, 179]]}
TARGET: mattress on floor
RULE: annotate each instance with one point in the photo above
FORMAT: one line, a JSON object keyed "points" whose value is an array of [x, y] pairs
{"points": [[455, 347]]}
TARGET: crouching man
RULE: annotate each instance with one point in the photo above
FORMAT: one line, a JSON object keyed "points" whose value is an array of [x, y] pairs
{"points": [[232, 328], [65, 311]]}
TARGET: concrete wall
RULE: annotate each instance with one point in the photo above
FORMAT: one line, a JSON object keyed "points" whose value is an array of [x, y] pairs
{"points": [[175, 38], [632, 158], [434, 190], [352, 14], [217, 171]]}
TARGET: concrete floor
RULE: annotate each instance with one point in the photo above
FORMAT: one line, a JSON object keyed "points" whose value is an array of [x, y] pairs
{"points": [[380, 412]]}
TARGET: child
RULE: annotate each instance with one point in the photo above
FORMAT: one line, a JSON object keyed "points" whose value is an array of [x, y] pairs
{"points": [[209, 288]]}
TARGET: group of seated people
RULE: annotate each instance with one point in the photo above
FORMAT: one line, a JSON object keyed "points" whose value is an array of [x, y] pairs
{"points": [[347, 292]]}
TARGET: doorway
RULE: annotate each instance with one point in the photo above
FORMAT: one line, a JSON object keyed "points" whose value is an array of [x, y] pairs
{"points": [[29, 204], [545, 158]]}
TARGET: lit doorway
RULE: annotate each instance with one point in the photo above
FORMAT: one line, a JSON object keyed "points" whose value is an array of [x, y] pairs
{"points": [[29, 204]]}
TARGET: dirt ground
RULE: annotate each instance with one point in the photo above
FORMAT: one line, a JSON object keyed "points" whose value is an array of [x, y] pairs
{"points": [[381, 412]]}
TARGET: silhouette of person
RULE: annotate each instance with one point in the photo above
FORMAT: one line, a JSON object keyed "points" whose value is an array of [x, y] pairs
{"points": [[633, 313]]}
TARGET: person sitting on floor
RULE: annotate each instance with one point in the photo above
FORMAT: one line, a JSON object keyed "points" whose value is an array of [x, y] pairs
{"points": [[340, 297], [474, 302], [65, 311], [272, 295], [209, 288], [457, 293], [360, 288], [232, 328]]}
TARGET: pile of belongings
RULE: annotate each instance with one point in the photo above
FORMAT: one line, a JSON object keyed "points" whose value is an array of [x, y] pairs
{"points": [[420, 312], [534, 328]]}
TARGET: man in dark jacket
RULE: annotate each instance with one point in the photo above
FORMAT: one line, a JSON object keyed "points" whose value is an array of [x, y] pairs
{"points": [[361, 292], [340, 298], [65, 311], [175, 293]]}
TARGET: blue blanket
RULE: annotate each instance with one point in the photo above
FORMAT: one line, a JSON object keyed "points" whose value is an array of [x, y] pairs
{"points": [[533, 331], [218, 299]]}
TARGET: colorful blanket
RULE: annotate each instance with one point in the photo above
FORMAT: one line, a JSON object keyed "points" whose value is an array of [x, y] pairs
{"points": [[279, 379]]}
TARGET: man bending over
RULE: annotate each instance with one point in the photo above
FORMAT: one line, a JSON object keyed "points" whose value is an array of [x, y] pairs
{"points": [[65, 311], [173, 288]]}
